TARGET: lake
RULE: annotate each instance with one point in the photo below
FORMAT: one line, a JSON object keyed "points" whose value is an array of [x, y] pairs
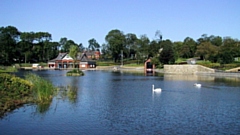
{"points": [[111, 103]]}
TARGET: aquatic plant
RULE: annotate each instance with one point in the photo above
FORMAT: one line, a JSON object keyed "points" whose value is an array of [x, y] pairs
{"points": [[75, 72], [43, 90], [69, 92]]}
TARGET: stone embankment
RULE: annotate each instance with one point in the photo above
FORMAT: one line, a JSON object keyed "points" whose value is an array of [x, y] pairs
{"points": [[197, 70], [187, 69]]}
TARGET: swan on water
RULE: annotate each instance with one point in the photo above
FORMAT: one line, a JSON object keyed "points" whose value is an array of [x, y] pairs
{"points": [[197, 84], [157, 89]]}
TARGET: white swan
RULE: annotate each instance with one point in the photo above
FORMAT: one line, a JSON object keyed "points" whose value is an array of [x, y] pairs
{"points": [[197, 84], [157, 89]]}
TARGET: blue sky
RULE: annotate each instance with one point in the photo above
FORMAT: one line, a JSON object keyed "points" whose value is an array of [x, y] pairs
{"points": [[81, 20]]}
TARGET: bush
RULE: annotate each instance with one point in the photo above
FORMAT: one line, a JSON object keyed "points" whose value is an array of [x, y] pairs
{"points": [[14, 84], [14, 92], [75, 72]]}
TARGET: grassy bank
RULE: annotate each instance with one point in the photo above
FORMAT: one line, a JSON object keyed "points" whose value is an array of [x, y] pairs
{"points": [[16, 91], [7, 69]]}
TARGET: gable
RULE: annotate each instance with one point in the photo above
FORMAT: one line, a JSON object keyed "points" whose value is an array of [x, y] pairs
{"points": [[67, 57]]}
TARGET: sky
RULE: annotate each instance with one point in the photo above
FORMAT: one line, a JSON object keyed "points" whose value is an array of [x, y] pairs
{"points": [[82, 20]]}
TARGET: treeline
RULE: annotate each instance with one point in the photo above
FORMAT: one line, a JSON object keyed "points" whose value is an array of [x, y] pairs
{"points": [[25, 47], [211, 48]]}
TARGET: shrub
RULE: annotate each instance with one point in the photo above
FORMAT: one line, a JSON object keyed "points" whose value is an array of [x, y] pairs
{"points": [[14, 92], [75, 72]]}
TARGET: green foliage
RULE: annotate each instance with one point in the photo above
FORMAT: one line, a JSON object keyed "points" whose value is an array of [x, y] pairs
{"points": [[167, 54], [207, 51], [8, 69], [219, 65], [93, 44], [34, 47], [116, 42], [75, 72], [43, 90], [14, 92]]}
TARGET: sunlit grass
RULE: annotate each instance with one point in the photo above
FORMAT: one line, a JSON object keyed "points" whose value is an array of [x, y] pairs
{"points": [[7, 69], [43, 90]]}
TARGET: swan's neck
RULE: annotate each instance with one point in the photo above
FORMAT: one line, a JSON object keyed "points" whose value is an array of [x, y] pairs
{"points": [[152, 87]]}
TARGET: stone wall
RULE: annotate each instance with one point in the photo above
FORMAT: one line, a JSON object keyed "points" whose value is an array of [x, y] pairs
{"points": [[187, 69]]}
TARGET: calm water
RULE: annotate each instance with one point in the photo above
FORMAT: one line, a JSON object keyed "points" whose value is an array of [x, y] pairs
{"points": [[111, 103]]}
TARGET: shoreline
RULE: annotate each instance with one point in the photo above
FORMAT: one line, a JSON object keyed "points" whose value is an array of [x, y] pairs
{"points": [[126, 68]]}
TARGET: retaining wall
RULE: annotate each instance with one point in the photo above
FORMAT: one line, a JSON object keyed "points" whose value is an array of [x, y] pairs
{"points": [[187, 69]]}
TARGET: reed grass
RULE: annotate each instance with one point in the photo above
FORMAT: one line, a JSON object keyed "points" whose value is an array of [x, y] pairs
{"points": [[43, 90]]}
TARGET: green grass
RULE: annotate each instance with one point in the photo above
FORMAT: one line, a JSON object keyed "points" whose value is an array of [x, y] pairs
{"points": [[179, 60], [134, 65], [43, 90], [7, 69]]}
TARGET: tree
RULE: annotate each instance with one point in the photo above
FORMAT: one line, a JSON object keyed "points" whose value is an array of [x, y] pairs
{"points": [[207, 51], [93, 44], [105, 51], [73, 52], [158, 35], [26, 43], [131, 41], [116, 41], [143, 47], [154, 48], [167, 53], [81, 47], [41, 47], [53, 50], [228, 51], [62, 43], [188, 48], [9, 37], [177, 46], [216, 40]]}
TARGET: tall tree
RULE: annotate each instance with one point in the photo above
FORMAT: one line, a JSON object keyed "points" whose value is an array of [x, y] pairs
{"points": [[81, 47], [9, 37], [131, 42], [73, 52], [116, 41], [207, 51], [93, 44], [143, 47], [177, 46], [167, 53], [188, 48], [229, 50], [216, 40], [62, 43], [27, 39]]}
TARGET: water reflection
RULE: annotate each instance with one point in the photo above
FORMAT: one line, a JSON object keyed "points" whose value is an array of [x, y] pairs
{"points": [[104, 102], [42, 108]]}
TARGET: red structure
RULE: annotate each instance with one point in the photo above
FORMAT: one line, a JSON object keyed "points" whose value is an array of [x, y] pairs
{"points": [[149, 67]]}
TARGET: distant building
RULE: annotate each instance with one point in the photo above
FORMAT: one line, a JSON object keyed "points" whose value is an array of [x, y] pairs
{"points": [[84, 60]]}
